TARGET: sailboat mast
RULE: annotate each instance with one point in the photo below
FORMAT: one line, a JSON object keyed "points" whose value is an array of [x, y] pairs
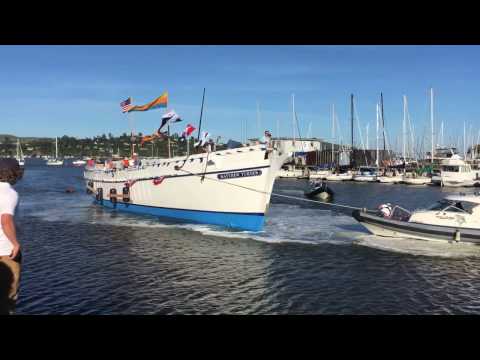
{"points": [[293, 117], [376, 158], [431, 120], [333, 132], [293, 124], [383, 121], [441, 137], [366, 130], [404, 124], [56, 147], [351, 115]]}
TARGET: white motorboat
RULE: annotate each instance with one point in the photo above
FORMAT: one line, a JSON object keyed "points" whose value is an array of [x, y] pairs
{"points": [[390, 178], [289, 172], [55, 161], [454, 218], [340, 177], [366, 174], [319, 174], [454, 172], [414, 179]]}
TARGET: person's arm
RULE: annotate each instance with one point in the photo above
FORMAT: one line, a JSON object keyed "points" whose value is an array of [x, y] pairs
{"points": [[8, 227]]}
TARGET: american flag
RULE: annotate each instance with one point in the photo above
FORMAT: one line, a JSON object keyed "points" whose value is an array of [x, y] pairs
{"points": [[126, 105]]}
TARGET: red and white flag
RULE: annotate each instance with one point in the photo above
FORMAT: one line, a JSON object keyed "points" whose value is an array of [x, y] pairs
{"points": [[188, 131]]}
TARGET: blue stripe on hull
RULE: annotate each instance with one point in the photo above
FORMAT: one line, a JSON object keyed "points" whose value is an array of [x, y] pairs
{"points": [[249, 222]]}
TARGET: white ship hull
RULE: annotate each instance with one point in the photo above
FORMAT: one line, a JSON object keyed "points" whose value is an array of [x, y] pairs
{"points": [[230, 188]]}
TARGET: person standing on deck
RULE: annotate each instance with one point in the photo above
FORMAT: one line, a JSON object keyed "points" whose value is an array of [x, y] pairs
{"points": [[10, 254], [267, 138]]}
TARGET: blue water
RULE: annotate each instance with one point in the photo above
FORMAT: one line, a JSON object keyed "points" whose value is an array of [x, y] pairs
{"points": [[83, 259]]}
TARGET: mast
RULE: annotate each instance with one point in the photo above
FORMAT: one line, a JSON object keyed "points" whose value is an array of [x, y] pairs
{"points": [[431, 120], [201, 114], [376, 158], [367, 145], [404, 125], [56, 148], [333, 132], [383, 120], [293, 116], [441, 137], [464, 143], [351, 114], [293, 122]]}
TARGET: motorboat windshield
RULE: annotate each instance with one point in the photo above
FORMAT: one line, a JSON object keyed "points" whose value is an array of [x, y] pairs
{"points": [[453, 206]]}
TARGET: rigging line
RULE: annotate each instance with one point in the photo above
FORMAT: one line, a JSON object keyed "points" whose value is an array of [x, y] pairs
{"points": [[279, 195]]}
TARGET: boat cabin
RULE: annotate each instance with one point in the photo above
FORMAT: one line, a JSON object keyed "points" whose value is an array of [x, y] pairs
{"points": [[455, 210]]}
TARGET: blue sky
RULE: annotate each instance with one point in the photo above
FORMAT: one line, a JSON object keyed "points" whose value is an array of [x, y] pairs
{"points": [[76, 90]]}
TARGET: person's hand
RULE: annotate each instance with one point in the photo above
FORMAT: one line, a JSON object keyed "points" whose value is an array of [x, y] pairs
{"points": [[15, 251]]}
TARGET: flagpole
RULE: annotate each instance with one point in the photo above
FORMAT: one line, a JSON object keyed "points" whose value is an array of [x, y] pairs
{"points": [[168, 129], [130, 123], [188, 145]]}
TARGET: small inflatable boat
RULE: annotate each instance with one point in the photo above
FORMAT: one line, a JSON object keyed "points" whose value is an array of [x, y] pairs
{"points": [[319, 191]]}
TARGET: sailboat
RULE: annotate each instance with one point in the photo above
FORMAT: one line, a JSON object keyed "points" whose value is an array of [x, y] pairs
{"points": [[20, 158], [413, 178], [55, 161]]}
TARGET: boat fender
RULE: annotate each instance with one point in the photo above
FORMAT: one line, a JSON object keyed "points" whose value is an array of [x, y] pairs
{"points": [[113, 197], [126, 194], [457, 235], [99, 195], [89, 186]]}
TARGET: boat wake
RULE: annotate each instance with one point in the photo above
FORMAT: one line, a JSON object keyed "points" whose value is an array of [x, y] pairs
{"points": [[420, 247], [284, 224]]}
